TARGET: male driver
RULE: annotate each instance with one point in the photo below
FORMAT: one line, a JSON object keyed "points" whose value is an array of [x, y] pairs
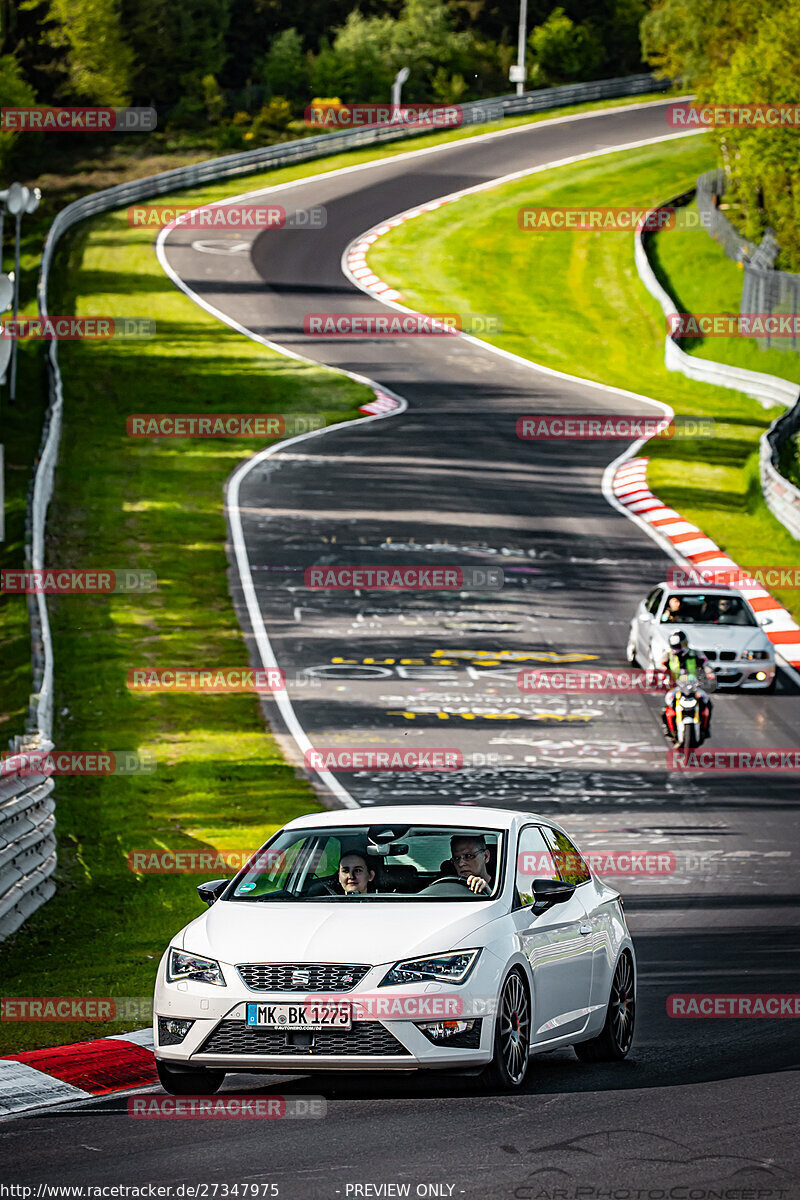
{"points": [[355, 874], [673, 610], [470, 857]]}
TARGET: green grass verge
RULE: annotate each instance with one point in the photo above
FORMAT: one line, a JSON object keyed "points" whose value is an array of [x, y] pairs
{"points": [[574, 301], [700, 274], [221, 781], [697, 274]]}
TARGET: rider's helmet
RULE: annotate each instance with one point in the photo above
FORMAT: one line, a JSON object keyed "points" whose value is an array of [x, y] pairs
{"points": [[678, 641]]}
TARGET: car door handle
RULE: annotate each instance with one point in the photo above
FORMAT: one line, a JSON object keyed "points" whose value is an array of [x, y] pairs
{"points": [[585, 929]]}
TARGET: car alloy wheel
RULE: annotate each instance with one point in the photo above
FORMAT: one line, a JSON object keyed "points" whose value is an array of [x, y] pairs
{"points": [[512, 1035], [616, 1038], [623, 1005]]}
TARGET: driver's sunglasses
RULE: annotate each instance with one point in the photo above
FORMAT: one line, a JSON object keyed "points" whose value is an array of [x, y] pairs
{"points": [[457, 858]]}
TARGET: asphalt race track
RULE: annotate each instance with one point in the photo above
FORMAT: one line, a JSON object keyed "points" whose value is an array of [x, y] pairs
{"points": [[700, 1104]]}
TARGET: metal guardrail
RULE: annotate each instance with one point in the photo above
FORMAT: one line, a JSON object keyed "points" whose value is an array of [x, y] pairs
{"points": [[27, 843], [27, 840], [764, 290], [781, 497], [711, 187]]}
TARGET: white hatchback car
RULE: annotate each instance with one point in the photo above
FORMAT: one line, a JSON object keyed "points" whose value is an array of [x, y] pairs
{"points": [[398, 938], [716, 620]]}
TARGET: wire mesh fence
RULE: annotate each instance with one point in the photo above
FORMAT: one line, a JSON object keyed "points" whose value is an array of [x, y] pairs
{"points": [[764, 290]]}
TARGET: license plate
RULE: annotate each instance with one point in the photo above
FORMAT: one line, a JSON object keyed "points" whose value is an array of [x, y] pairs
{"points": [[307, 1015]]}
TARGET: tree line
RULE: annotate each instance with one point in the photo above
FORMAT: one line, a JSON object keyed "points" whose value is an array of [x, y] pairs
{"points": [[735, 52], [241, 72], [198, 60]]}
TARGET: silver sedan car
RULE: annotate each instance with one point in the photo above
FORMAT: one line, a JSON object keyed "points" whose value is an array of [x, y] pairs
{"points": [[716, 620]]}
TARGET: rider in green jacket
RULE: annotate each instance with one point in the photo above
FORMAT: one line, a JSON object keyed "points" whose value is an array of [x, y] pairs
{"points": [[682, 660]]}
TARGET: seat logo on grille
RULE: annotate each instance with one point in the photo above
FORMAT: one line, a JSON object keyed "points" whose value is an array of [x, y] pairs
{"points": [[300, 978]]}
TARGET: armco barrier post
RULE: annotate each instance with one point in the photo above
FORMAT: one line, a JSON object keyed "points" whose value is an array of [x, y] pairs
{"points": [[27, 841]]}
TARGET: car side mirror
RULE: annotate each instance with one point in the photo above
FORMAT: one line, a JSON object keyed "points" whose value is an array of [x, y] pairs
{"points": [[551, 891], [212, 891]]}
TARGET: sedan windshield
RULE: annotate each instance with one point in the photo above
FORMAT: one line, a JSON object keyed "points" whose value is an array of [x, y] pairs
{"points": [[374, 862], [702, 609]]}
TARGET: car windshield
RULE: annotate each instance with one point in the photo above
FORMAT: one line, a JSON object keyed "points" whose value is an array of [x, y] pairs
{"points": [[700, 608], [374, 862]]}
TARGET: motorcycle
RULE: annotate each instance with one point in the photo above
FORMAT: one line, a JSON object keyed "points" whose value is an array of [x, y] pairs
{"points": [[688, 722]]}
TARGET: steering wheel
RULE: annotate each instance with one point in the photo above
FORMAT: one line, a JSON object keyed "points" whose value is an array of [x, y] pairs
{"points": [[327, 886], [450, 879]]}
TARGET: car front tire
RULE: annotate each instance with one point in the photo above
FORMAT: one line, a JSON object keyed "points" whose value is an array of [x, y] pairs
{"points": [[512, 1036], [630, 651], [198, 1081], [614, 1041]]}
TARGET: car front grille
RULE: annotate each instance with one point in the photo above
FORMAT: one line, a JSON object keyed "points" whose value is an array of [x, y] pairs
{"points": [[727, 655], [302, 977], [365, 1037]]}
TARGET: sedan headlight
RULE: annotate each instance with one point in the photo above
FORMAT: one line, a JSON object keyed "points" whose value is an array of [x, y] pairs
{"points": [[447, 968], [755, 654], [181, 965]]}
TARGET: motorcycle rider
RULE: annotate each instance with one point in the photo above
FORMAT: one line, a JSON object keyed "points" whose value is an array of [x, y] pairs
{"points": [[682, 660]]}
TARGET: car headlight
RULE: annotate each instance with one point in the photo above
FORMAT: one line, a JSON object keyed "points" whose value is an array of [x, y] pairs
{"points": [[448, 968], [755, 654], [181, 965]]}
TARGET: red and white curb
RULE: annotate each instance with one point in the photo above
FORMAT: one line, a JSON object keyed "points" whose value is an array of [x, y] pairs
{"points": [[631, 490], [38, 1078], [383, 403], [355, 259]]}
